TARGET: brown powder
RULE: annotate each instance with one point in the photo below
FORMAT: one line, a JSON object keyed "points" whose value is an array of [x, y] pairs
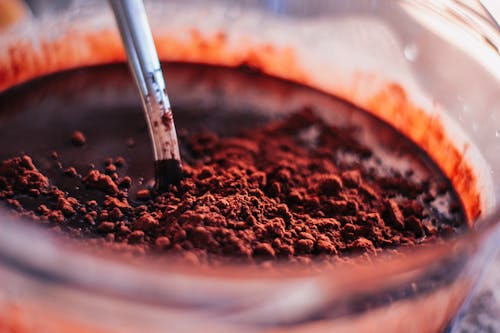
{"points": [[266, 194], [78, 138]]}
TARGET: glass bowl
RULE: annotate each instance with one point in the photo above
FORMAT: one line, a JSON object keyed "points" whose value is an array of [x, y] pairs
{"points": [[431, 69]]}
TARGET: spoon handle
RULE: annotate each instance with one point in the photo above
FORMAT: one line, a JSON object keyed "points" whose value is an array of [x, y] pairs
{"points": [[143, 61]]}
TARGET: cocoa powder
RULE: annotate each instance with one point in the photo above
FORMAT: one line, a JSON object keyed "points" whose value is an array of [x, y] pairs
{"points": [[78, 139], [295, 189]]}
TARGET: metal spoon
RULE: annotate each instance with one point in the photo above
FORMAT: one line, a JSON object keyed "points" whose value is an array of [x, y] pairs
{"points": [[145, 66]]}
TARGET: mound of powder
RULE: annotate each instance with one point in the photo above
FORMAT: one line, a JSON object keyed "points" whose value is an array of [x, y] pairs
{"points": [[295, 189]]}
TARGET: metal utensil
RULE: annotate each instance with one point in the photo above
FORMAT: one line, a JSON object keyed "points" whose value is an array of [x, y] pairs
{"points": [[145, 66]]}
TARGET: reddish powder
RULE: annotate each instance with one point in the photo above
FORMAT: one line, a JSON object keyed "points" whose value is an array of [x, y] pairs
{"points": [[282, 191], [78, 138]]}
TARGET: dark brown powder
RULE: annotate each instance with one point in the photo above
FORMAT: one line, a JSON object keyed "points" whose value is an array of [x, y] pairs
{"points": [[296, 189]]}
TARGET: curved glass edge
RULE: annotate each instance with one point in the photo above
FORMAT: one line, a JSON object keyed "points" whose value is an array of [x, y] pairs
{"points": [[484, 25], [63, 264]]}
